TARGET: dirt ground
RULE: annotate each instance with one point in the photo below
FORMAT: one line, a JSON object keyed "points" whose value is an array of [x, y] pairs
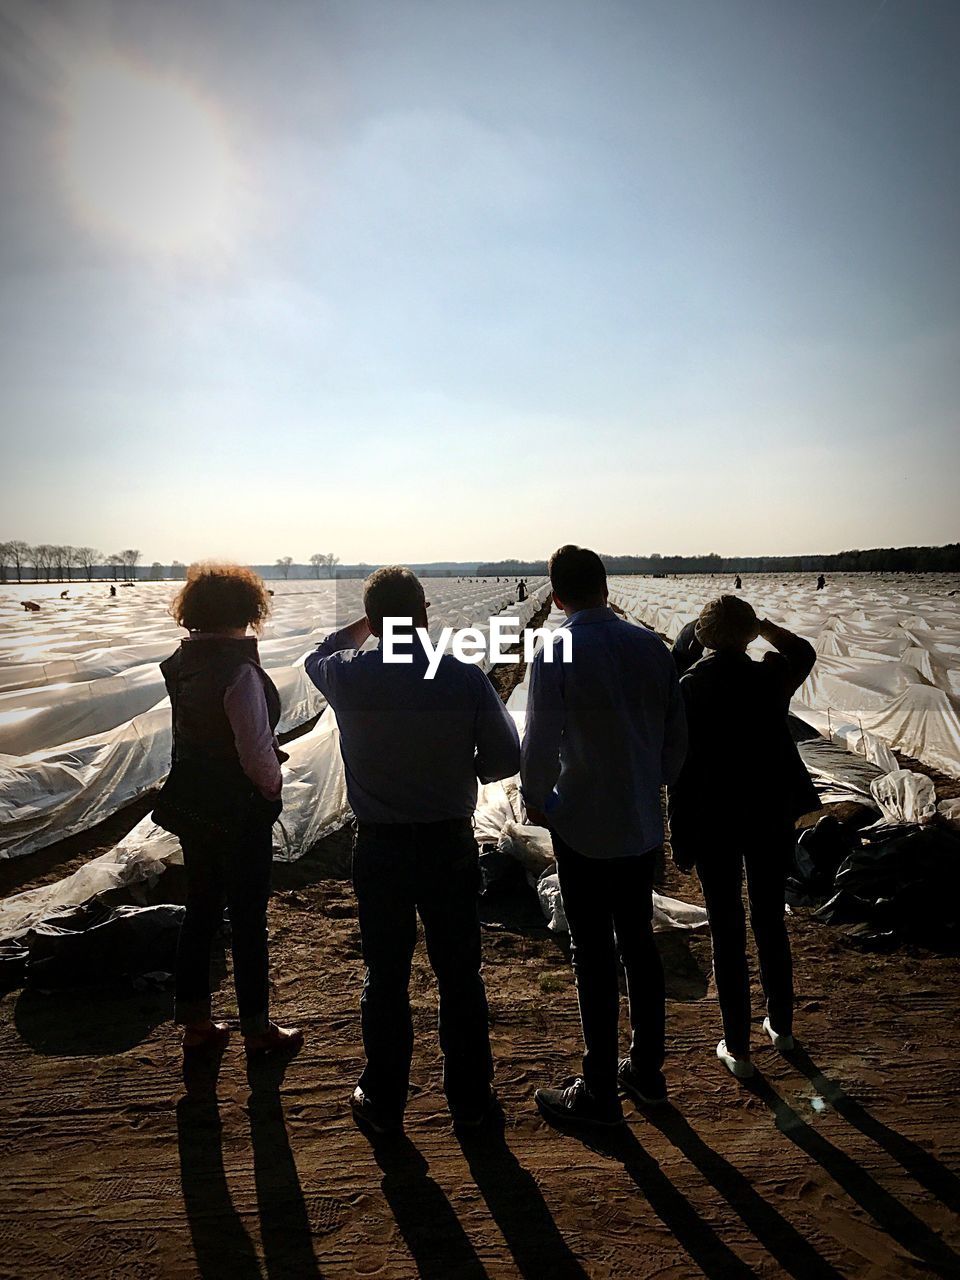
{"points": [[842, 1161]]}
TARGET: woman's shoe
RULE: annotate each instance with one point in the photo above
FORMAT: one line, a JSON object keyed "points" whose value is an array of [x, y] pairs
{"points": [[205, 1039], [742, 1068], [779, 1041], [275, 1040]]}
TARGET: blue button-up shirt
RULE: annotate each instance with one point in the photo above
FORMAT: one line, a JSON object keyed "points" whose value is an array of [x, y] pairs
{"points": [[603, 733], [412, 748]]}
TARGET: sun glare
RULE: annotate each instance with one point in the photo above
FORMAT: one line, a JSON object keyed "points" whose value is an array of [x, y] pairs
{"points": [[146, 158]]}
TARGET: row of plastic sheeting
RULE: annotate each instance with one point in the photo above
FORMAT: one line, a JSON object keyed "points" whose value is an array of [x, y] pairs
{"points": [[73, 753], [51, 794], [888, 650], [315, 804]]}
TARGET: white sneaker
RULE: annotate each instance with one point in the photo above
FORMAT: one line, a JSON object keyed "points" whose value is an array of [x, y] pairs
{"points": [[742, 1068], [783, 1043]]}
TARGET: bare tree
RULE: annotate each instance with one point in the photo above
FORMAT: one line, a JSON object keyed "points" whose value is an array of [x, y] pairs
{"points": [[178, 569], [156, 571], [130, 559], [323, 560], [87, 558], [5, 558], [18, 554], [41, 558], [283, 564], [115, 561], [60, 558]]}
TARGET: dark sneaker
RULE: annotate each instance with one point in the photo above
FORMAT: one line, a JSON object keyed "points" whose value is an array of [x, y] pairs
{"points": [[368, 1115], [573, 1103], [649, 1088], [475, 1117]]}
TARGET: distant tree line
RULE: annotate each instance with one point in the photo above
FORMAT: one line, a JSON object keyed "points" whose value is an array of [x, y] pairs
{"points": [[56, 562], [878, 560], [48, 562]]}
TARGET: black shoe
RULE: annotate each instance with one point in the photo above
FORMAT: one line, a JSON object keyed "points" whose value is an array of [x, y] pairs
{"points": [[475, 1117], [649, 1088], [573, 1103], [368, 1115]]}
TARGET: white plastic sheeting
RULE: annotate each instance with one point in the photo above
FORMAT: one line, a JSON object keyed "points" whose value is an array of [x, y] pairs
{"points": [[93, 733], [905, 796], [315, 804], [888, 649]]}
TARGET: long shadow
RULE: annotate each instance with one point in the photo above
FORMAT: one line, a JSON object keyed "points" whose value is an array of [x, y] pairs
{"points": [[778, 1236], [517, 1206], [93, 1022], [921, 1165], [889, 1214], [692, 1232], [221, 1244], [285, 1230], [437, 1242]]}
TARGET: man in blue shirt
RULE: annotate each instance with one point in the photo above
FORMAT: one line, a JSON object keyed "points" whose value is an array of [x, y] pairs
{"points": [[604, 732], [413, 749]]}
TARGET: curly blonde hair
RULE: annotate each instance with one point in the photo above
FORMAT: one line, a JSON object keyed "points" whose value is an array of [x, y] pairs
{"points": [[218, 597]]}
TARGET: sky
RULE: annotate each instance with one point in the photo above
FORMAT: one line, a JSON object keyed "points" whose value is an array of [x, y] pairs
{"points": [[439, 279]]}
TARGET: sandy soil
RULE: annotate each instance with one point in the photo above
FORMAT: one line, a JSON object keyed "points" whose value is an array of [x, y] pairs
{"points": [[843, 1161]]}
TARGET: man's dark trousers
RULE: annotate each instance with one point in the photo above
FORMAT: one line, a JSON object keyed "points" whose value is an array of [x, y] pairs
{"points": [[765, 855], [608, 903], [400, 869]]}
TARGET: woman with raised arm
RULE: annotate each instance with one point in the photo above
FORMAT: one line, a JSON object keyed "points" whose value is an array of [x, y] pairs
{"points": [[734, 805], [222, 798]]}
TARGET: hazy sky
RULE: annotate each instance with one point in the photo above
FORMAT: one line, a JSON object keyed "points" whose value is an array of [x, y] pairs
{"points": [[442, 279]]}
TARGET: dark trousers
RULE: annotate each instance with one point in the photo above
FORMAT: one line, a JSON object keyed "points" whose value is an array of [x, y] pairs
{"points": [[608, 903], [431, 868], [238, 874], [720, 870]]}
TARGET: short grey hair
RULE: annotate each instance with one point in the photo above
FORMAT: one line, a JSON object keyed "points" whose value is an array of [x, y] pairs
{"points": [[728, 622], [392, 592]]}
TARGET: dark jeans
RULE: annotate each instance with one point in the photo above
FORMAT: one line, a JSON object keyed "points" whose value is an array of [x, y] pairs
{"points": [[609, 907], [765, 857], [237, 873], [431, 868]]}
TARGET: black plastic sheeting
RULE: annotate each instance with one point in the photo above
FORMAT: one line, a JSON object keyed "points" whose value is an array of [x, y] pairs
{"points": [[91, 944], [891, 883], [838, 774]]}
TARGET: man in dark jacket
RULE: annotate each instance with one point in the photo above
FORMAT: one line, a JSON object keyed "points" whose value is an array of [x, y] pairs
{"points": [[741, 789], [413, 750], [687, 649]]}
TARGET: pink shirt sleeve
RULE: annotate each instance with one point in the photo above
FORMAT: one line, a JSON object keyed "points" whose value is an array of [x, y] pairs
{"points": [[245, 705]]}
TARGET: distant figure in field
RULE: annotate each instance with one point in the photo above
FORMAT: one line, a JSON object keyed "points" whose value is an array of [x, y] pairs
{"points": [[687, 649], [30, 606], [821, 582], [221, 800], [738, 582], [603, 733], [741, 760], [64, 594], [521, 591], [413, 750], [113, 590]]}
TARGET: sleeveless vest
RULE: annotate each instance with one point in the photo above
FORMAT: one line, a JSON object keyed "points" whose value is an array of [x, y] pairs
{"points": [[197, 676]]}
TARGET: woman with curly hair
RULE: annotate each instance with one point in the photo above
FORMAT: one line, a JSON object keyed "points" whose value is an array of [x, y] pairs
{"points": [[222, 798]]}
